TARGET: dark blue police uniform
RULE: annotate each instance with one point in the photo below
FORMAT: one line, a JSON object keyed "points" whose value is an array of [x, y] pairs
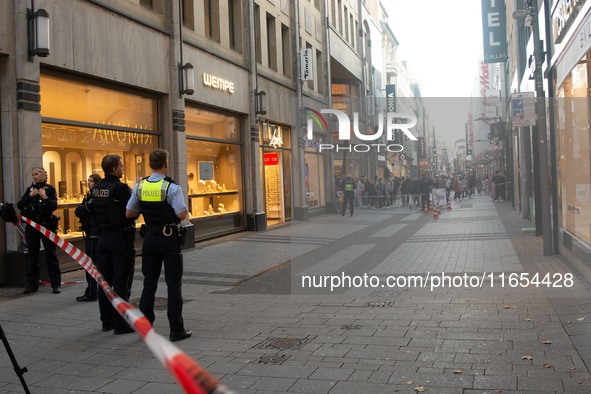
{"points": [[115, 253], [40, 211], [90, 228], [162, 242]]}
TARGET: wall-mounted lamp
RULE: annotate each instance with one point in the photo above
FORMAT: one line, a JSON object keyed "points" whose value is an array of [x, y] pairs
{"points": [[187, 79], [260, 100], [38, 32]]}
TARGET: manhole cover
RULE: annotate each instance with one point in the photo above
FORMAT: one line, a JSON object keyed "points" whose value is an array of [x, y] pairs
{"points": [[283, 343], [286, 343], [355, 327], [271, 359], [377, 304]]}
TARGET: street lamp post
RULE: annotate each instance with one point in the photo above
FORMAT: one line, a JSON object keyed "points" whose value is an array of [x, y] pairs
{"points": [[539, 133]]}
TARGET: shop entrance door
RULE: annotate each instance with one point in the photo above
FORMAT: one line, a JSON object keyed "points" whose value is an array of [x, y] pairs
{"points": [[273, 170]]}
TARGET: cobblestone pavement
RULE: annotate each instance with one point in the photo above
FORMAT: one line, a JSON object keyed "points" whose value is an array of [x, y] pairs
{"points": [[271, 335]]}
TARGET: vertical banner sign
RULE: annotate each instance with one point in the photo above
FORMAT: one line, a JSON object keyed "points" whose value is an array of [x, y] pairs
{"points": [[306, 64], [391, 98], [494, 34], [470, 140], [421, 146]]}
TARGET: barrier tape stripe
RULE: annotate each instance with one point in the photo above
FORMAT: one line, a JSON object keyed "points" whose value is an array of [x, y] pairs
{"points": [[188, 373]]}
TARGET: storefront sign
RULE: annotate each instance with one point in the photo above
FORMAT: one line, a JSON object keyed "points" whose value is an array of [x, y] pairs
{"points": [[271, 159], [391, 98], [311, 143], [422, 147], [424, 164], [66, 137], [306, 64], [563, 16], [494, 31], [523, 109], [577, 47], [470, 130], [497, 130], [218, 83]]}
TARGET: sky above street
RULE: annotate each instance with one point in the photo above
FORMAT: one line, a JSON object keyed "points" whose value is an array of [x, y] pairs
{"points": [[442, 43]]}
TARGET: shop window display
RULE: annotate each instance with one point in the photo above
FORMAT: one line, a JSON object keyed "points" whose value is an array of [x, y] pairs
{"points": [[214, 178], [71, 154], [574, 153]]}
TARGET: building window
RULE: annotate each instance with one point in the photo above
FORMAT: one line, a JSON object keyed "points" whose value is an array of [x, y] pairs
{"points": [[271, 43], [235, 25], [211, 16], [333, 14], [153, 5], [286, 50], [352, 30], [319, 73], [340, 11], [347, 25], [188, 15], [257, 20], [356, 30]]}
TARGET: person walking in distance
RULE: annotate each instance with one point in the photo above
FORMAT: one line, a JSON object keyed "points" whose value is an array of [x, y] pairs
{"points": [[88, 223], [115, 251], [38, 204], [424, 190], [160, 200], [348, 186]]}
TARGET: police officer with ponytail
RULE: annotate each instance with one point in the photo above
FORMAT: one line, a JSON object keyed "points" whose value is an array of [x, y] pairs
{"points": [[115, 254], [161, 201], [38, 204]]}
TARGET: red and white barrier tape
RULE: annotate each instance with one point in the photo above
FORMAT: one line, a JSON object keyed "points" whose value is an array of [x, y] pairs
{"points": [[190, 375]]}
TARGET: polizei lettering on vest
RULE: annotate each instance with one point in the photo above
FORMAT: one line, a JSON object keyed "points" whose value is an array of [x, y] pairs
{"points": [[151, 193], [100, 192]]}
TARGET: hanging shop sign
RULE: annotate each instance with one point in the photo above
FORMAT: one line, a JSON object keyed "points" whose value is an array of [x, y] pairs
{"points": [[494, 26], [563, 16], [574, 50], [306, 64], [218, 83]]}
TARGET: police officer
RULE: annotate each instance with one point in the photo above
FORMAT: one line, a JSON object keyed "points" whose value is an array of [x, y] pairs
{"points": [[38, 204], [348, 186], [115, 255], [89, 226], [161, 202]]}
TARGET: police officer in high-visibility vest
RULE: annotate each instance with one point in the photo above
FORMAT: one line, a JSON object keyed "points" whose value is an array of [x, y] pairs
{"points": [[348, 186], [115, 250], [160, 200]]}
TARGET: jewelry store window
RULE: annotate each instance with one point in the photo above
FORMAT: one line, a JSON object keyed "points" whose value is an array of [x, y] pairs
{"points": [[81, 123], [214, 172]]}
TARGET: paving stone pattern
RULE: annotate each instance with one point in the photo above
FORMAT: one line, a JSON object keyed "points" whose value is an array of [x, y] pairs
{"points": [[461, 339]]}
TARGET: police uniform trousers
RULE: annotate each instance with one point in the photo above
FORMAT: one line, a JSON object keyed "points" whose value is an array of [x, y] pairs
{"points": [[349, 198], [91, 243], [53, 265], [115, 261], [157, 248]]}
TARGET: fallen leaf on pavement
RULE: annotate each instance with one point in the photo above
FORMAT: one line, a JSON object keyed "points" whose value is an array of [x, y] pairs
{"points": [[410, 382], [509, 362], [420, 389], [526, 319], [521, 247], [502, 340], [568, 322], [526, 357], [547, 365], [581, 319], [397, 390], [519, 300], [247, 361], [510, 307], [572, 368], [457, 371], [568, 326], [546, 342], [438, 321], [408, 351], [581, 381], [467, 300]]}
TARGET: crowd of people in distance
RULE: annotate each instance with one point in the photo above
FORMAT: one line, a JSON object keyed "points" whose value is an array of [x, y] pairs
{"points": [[381, 193]]}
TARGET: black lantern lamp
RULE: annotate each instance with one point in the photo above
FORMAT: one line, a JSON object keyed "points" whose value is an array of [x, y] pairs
{"points": [[38, 32], [187, 76], [260, 102]]}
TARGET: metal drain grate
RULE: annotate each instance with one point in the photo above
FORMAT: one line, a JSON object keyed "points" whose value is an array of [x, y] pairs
{"points": [[351, 327], [385, 294], [283, 343], [378, 304], [272, 359]]}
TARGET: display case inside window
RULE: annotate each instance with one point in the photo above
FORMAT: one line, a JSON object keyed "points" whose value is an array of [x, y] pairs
{"points": [[215, 179], [71, 154]]}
